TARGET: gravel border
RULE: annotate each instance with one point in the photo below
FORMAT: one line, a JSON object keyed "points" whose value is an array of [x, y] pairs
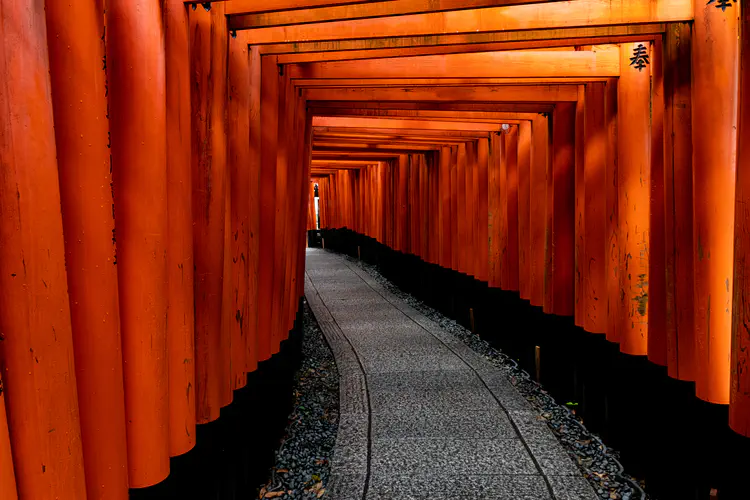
{"points": [[599, 464], [303, 460]]}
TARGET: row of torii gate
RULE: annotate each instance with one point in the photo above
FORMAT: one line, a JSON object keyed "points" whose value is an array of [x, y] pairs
{"points": [[155, 190]]}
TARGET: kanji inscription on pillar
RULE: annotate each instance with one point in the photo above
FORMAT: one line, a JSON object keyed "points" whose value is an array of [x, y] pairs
{"points": [[640, 57], [722, 4]]}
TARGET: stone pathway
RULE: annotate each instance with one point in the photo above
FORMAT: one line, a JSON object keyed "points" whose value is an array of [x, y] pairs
{"points": [[422, 415]]}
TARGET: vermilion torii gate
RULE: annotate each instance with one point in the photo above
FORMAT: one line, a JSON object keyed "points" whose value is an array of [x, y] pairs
{"points": [[156, 161]]}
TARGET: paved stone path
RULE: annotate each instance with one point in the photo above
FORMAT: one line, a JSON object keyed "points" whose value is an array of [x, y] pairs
{"points": [[422, 415]]}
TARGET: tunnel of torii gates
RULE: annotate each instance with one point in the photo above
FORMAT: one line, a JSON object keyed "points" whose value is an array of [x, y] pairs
{"points": [[155, 191]]}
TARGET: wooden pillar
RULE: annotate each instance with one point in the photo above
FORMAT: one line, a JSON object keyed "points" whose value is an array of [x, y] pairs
{"points": [[497, 211], [253, 336], [715, 67], [612, 252], [461, 213], [209, 168], [510, 263], [269, 116], [79, 81], [579, 308], [524, 223], [239, 175], [7, 476], [739, 395], [594, 210], [537, 207], [657, 299], [678, 200], [137, 104], [445, 207], [633, 146], [455, 207], [563, 209], [36, 351], [181, 298], [482, 249]]}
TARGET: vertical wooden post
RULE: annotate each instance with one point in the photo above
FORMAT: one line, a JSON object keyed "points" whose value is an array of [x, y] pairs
{"points": [[715, 69], [482, 249], [36, 350], [239, 174], [269, 116], [595, 199], [524, 223], [455, 207], [579, 308], [657, 299], [563, 208], [612, 252], [510, 263], [678, 199], [79, 95], [180, 273], [445, 207], [461, 213], [537, 207], [137, 102], [633, 146], [209, 207], [739, 396], [253, 199]]}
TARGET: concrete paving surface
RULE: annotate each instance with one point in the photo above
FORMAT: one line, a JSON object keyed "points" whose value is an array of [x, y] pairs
{"points": [[422, 415]]}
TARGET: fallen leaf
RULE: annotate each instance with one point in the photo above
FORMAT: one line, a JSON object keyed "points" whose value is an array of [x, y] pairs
{"points": [[282, 471], [262, 492], [274, 494], [321, 492]]}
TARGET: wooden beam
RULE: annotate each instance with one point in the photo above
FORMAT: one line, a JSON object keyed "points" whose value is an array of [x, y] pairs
{"points": [[508, 93], [323, 121], [361, 11], [323, 107], [528, 63], [395, 133], [305, 83], [564, 14], [541, 45], [513, 40]]}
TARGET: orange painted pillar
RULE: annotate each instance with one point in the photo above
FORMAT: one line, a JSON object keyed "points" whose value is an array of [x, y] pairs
{"points": [[209, 171], [579, 309], [253, 199], [537, 207], [594, 210], [181, 299], [7, 477], [137, 104], [657, 299], [612, 252], [503, 228], [455, 207], [739, 392], [36, 350], [473, 214], [524, 224], [495, 223], [715, 67], [549, 202], [75, 30], [482, 249], [269, 116], [563, 209], [678, 199], [511, 172], [461, 213], [445, 207], [238, 112], [228, 376], [633, 141]]}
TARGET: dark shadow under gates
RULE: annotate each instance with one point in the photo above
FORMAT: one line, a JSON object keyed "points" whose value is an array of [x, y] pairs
{"points": [[233, 455]]}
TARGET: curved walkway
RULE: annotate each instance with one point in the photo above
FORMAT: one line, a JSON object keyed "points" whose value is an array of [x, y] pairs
{"points": [[423, 415]]}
